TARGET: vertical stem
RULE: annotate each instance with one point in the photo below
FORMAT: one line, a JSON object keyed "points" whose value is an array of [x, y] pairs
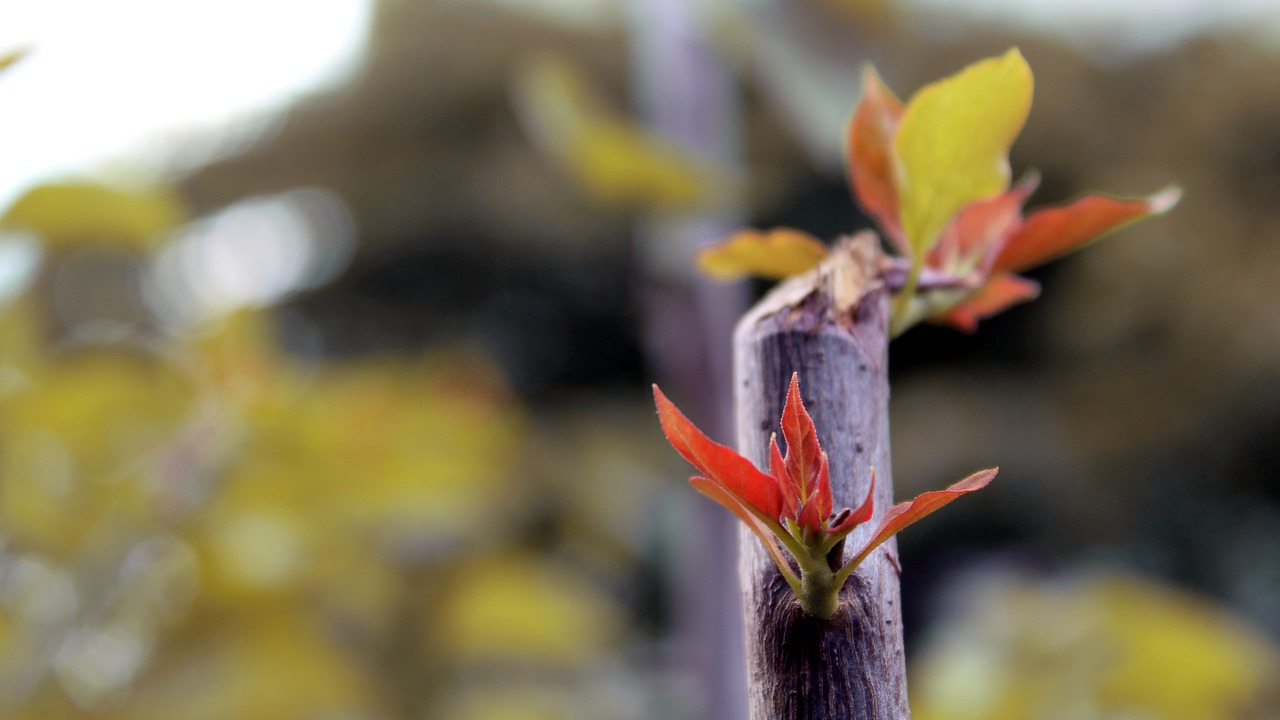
{"points": [[831, 326], [689, 95]]}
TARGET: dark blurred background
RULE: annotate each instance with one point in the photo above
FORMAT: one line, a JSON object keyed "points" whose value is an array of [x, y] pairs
{"points": [[326, 332]]}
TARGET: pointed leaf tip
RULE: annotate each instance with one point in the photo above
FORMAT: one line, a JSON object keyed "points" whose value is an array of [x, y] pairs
{"points": [[803, 460], [904, 514], [976, 481], [1052, 232], [1163, 201]]}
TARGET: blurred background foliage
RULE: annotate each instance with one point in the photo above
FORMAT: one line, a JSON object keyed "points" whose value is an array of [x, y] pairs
{"points": [[328, 399]]}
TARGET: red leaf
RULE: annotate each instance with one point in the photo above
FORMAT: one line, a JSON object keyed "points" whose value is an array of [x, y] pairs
{"points": [[722, 465], [777, 466], [869, 145], [803, 461], [903, 514], [1000, 293], [1050, 233], [862, 514]]}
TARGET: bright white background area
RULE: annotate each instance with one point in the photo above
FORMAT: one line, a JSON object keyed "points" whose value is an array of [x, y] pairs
{"points": [[144, 88], [126, 82], [133, 82]]}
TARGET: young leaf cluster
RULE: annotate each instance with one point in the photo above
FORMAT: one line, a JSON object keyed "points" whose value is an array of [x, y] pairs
{"points": [[790, 507], [934, 173]]}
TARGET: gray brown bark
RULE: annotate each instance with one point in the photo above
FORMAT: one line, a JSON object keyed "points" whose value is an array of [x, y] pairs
{"points": [[830, 326]]}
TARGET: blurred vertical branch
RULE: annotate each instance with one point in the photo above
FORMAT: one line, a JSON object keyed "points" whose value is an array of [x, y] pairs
{"points": [[688, 95]]}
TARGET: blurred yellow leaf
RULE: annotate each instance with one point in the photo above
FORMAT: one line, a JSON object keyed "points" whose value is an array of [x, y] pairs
{"points": [[1103, 647], [526, 608], [616, 160], [80, 436], [430, 446], [43, 504], [88, 213], [359, 588], [515, 701], [953, 143], [774, 254], [9, 58], [273, 664], [1181, 657], [22, 352], [261, 549], [111, 405], [237, 355], [261, 534]]}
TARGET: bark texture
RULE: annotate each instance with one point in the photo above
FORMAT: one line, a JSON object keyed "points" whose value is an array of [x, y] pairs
{"points": [[831, 326]]}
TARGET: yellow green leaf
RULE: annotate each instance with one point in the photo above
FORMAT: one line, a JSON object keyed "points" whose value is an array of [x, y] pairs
{"points": [[773, 254], [953, 144], [78, 213]]}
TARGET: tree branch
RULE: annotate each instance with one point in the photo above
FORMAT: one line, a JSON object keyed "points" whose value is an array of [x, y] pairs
{"points": [[831, 325]]}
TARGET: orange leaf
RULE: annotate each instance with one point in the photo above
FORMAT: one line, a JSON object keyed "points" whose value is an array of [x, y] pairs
{"points": [[904, 514], [869, 144], [1050, 233], [981, 229], [822, 494], [776, 254], [998, 294], [722, 465]]}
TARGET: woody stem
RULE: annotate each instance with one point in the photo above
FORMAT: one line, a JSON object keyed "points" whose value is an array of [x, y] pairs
{"points": [[834, 332]]}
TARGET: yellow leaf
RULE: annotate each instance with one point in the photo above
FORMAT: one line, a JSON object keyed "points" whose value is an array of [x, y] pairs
{"points": [[269, 661], [1181, 657], [953, 144], [1098, 646], [78, 213], [774, 254]]}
